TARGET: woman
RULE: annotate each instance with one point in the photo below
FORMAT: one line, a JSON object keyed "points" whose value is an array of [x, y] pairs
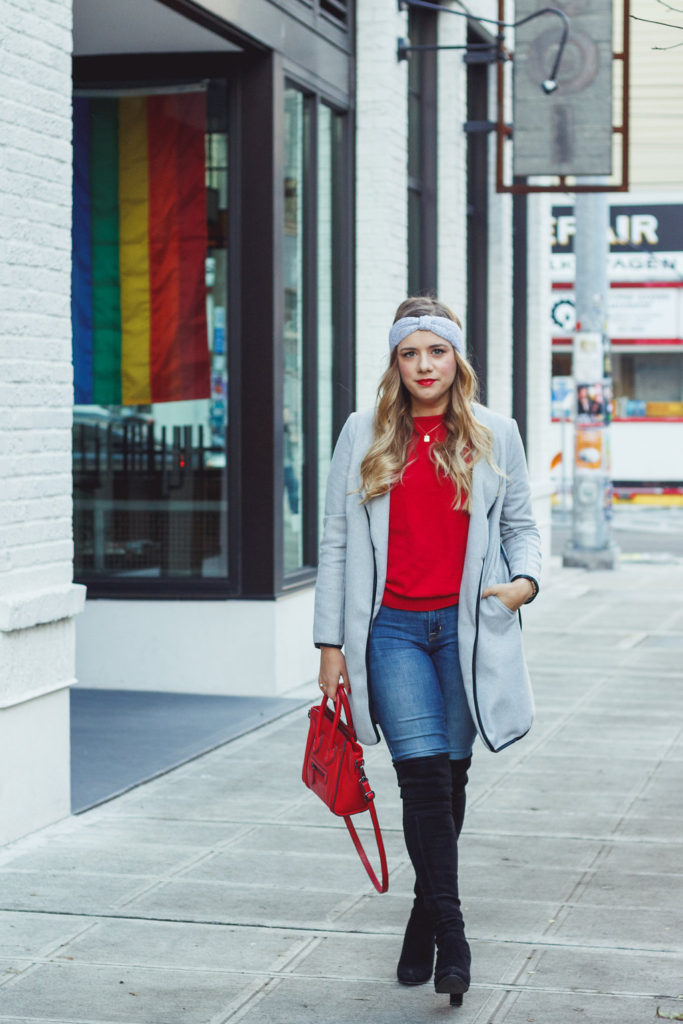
{"points": [[429, 549]]}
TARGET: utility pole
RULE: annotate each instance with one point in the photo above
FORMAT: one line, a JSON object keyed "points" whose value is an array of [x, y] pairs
{"points": [[591, 546]]}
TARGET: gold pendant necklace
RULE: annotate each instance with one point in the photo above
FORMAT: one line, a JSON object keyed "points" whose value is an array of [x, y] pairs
{"points": [[427, 436]]}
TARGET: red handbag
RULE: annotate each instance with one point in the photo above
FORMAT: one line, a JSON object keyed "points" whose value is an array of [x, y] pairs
{"points": [[333, 769]]}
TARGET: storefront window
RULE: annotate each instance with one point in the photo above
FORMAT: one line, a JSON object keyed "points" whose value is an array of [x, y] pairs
{"points": [[329, 127], [149, 310], [296, 129], [645, 385], [648, 384], [315, 272]]}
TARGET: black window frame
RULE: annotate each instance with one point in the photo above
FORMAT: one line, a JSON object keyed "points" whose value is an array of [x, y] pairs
{"points": [[256, 81], [343, 355], [422, 187], [478, 211], [112, 71]]}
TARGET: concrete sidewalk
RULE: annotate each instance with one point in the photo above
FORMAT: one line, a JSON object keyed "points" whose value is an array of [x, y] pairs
{"points": [[224, 891]]}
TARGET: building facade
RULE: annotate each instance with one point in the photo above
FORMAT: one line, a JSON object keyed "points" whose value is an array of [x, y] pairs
{"points": [[256, 186], [197, 494], [38, 600]]}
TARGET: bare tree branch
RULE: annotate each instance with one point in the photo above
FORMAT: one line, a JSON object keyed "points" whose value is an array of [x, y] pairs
{"points": [[674, 46], [669, 7], [666, 24]]}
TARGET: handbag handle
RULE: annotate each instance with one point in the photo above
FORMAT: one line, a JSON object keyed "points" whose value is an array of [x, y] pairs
{"points": [[384, 884], [340, 701]]}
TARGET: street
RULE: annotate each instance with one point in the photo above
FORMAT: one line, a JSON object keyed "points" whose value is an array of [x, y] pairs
{"points": [[636, 529]]}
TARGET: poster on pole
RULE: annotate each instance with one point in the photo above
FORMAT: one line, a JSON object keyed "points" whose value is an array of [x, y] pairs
{"points": [[589, 447], [588, 356], [590, 401]]}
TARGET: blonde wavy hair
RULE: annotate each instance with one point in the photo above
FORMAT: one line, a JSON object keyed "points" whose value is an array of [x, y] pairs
{"points": [[466, 441]]}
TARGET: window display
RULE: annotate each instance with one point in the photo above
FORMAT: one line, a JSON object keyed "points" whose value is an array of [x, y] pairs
{"points": [[149, 300]]}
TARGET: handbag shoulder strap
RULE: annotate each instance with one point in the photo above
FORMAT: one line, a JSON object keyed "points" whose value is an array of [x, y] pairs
{"points": [[384, 884]]}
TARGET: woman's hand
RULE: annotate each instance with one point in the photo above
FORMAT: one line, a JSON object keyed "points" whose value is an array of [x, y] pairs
{"points": [[332, 669], [514, 594]]}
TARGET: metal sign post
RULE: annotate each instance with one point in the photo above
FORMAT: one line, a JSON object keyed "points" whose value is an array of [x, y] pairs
{"points": [[591, 546]]}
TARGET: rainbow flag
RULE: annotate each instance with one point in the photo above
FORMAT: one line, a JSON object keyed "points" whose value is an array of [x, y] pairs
{"points": [[139, 249]]}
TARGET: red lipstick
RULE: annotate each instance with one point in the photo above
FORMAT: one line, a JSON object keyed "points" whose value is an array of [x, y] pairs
{"points": [[426, 383]]}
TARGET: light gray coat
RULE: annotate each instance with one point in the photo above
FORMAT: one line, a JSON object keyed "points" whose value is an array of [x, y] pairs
{"points": [[503, 541]]}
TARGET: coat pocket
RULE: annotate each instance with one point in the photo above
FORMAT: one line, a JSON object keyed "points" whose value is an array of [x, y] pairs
{"points": [[501, 604], [503, 692]]}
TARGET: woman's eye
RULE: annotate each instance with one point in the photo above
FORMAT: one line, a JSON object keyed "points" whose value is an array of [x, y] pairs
{"points": [[438, 351]]}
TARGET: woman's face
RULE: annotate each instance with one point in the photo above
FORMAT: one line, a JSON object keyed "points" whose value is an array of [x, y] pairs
{"points": [[427, 367]]}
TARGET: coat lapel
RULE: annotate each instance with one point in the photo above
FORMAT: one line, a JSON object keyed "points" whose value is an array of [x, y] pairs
{"points": [[486, 486], [486, 483], [378, 512], [477, 540]]}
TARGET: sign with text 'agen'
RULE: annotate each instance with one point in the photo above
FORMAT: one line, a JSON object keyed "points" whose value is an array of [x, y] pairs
{"points": [[645, 242], [569, 131]]}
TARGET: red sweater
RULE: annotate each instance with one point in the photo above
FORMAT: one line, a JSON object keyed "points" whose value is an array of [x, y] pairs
{"points": [[427, 536]]}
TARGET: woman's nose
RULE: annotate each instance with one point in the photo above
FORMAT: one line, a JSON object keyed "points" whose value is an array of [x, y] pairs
{"points": [[425, 361]]}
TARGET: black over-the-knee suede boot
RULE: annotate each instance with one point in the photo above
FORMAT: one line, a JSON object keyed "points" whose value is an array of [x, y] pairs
{"points": [[416, 962], [431, 840]]}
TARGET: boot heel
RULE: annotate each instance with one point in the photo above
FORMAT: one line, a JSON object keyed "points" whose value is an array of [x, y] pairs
{"points": [[456, 998], [450, 982]]}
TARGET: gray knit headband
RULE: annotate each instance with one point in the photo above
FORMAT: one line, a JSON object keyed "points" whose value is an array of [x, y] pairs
{"points": [[441, 325]]}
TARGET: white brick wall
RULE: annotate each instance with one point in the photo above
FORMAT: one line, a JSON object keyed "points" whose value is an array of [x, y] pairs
{"points": [[35, 332], [381, 187], [37, 598]]}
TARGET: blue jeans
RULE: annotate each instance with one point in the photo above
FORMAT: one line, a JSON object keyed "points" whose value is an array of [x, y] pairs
{"points": [[416, 686]]}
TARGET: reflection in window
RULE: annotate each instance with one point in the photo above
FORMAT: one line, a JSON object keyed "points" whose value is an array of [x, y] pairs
{"points": [[648, 384], [644, 384], [149, 305], [329, 126], [296, 118]]}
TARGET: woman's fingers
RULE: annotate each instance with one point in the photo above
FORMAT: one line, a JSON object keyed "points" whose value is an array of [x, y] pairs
{"points": [[511, 594], [345, 682], [329, 687], [330, 690], [333, 672]]}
